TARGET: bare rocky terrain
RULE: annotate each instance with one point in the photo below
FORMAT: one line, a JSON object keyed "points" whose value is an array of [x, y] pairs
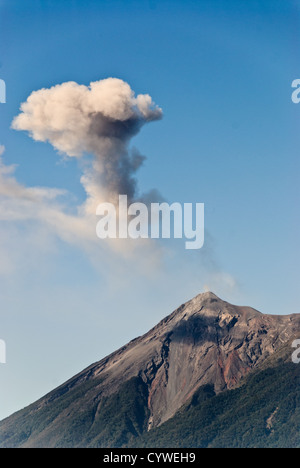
{"points": [[204, 341]]}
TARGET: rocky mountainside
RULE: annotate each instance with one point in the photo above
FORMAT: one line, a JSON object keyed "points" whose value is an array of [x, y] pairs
{"points": [[205, 342], [262, 411]]}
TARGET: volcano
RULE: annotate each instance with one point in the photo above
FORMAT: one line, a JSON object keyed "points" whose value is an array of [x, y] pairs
{"points": [[206, 350]]}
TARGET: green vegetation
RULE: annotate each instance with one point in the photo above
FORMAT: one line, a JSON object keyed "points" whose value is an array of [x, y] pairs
{"points": [[238, 418], [263, 412], [95, 422], [122, 417]]}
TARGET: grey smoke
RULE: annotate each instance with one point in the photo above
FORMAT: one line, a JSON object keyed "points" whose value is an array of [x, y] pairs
{"points": [[99, 119]]}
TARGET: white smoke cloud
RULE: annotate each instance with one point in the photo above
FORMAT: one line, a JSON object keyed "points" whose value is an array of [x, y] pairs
{"points": [[33, 218], [221, 282], [99, 119], [41, 204], [80, 121]]}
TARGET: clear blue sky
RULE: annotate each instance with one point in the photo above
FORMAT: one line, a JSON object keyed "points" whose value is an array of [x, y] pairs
{"points": [[222, 73]]}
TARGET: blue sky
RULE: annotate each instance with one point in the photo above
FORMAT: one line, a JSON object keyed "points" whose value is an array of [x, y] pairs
{"points": [[222, 73]]}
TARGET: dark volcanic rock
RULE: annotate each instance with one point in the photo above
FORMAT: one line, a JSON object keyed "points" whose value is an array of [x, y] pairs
{"points": [[205, 341]]}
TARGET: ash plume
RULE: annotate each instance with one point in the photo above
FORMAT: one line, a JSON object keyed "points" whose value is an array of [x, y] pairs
{"points": [[98, 120]]}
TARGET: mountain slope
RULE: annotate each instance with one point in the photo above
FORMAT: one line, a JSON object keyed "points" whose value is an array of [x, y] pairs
{"points": [[139, 387], [262, 412]]}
